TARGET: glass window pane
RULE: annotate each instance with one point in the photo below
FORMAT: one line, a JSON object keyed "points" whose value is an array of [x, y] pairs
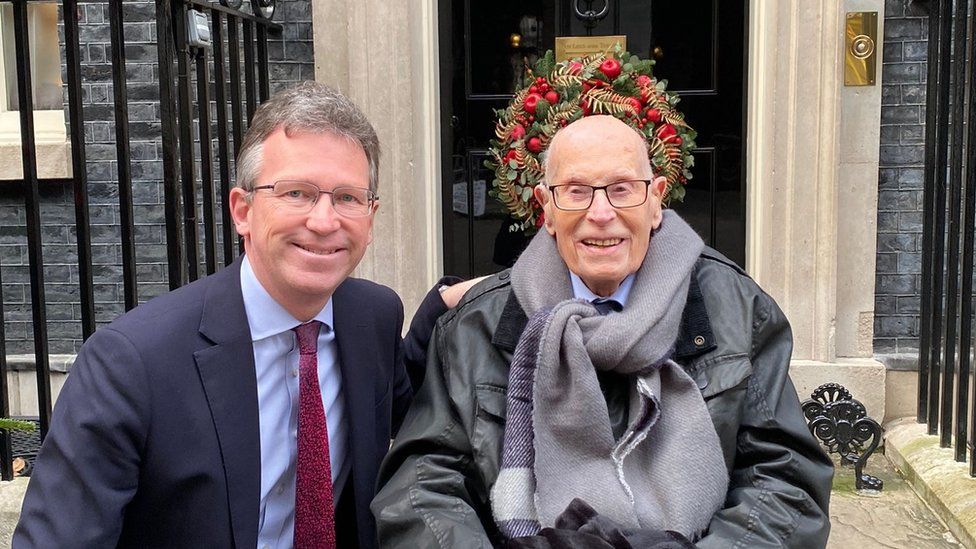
{"points": [[42, 23]]}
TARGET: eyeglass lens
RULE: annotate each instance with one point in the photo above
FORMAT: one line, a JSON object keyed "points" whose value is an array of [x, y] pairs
{"points": [[622, 194], [302, 196]]}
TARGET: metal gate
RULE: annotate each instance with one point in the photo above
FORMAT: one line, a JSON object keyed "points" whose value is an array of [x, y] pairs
{"points": [[189, 167], [945, 348]]}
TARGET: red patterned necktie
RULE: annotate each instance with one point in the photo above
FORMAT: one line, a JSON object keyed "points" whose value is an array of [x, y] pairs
{"points": [[314, 515]]}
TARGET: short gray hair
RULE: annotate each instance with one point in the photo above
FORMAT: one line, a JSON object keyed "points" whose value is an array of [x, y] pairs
{"points": [[308, 107]]}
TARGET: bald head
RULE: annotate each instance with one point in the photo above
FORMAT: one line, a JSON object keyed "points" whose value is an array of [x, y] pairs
{"points": [[600, 240], [590, 133]]}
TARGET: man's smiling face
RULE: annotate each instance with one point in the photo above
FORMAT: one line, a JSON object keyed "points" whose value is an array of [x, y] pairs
{"points": [[300, 259], [601, 244]]}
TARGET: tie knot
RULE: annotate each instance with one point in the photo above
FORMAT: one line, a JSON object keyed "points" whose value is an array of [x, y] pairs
{"points": [[605, 305], [308, 337]]}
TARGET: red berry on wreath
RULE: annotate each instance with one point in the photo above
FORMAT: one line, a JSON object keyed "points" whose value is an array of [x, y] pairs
{"points": [[552, 97], [518, 132], [575, 67], [611, 68], [510, 155], [533, 89], [678, 140], [530, 102], [534, 145], [643, 80], [654, 115], [634, 102]]}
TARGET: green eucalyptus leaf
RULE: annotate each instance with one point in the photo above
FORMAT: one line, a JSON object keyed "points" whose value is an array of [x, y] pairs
{"points": [[677, 193], [542, 109]]}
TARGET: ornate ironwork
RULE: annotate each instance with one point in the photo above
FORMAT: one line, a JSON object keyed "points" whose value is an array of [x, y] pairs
{"points": [[261, 8], [590, 17], [841, 423]]}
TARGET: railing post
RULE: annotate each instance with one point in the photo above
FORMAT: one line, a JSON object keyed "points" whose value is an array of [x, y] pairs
{"points": [[187, 164], [967, 421], [33, 201], [206, 162], [952, 239], [223, 148], [935, 182], [79, 167], [166, 48], [129, 281]]}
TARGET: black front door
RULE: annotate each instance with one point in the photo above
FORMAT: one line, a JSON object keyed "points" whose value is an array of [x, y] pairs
{"points": [[699, 46]]}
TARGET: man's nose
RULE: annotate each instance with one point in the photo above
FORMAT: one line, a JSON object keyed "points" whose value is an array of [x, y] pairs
{"points": [[600, 210], [323, 217]]}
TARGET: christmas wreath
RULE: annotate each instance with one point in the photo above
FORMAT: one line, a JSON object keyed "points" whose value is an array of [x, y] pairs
{"points": [[553, 95]]}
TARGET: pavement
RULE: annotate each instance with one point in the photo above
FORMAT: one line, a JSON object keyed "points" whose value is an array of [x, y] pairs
{"points": [[894, 518], [11, 497]]}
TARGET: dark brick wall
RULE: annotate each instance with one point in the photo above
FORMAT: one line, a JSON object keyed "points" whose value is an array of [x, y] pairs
{"points": [[900, 178], [290, 55]]}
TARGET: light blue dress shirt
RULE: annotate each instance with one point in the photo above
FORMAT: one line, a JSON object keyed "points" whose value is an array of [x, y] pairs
{"points": [[580, 291], [276, 365]]}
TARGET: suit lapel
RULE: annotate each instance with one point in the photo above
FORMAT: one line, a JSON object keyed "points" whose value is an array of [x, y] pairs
{"points": [[229, 380], [356, 340]]}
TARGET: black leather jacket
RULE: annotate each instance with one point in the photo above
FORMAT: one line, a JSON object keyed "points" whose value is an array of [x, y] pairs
{"points": [[734, 341]]}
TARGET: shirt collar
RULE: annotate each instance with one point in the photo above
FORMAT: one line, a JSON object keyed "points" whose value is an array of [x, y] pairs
{"points": [[265, 317], [580, 291]]}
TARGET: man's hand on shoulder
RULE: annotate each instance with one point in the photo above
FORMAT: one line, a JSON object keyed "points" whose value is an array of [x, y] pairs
{"points": [[452, 294]]}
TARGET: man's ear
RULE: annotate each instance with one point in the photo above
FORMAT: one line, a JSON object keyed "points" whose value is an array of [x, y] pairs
{"points": [[372, 215], [541, 194], [658, 187], [240, 206], [544, 196]]}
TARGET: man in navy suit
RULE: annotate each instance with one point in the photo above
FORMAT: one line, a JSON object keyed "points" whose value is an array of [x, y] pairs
{"points": [[190, 421]]}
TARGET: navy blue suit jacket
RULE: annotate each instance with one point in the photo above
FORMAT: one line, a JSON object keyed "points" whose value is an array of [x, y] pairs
{"points": [[154, 440]]}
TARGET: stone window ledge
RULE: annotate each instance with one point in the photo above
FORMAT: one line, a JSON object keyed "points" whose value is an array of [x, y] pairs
{"points": [[53, 148], [25, 363]]}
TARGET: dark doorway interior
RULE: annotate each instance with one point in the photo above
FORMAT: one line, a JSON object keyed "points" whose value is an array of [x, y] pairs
{"points": [[699, 46]]}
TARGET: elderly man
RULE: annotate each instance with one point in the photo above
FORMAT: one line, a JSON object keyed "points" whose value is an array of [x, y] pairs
{"points": [[622, 385], [252, 407]]}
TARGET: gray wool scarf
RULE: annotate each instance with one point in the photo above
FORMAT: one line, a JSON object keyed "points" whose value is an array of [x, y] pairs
{"points": [[667, 470]]}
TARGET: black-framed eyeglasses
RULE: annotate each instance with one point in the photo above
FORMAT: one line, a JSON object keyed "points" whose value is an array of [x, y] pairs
{"points": [[621, 194], [300, 197]]}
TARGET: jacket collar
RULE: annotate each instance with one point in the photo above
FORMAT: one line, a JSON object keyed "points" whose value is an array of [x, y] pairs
{"points": [[359, 362], [227, 373], [695, 336]]}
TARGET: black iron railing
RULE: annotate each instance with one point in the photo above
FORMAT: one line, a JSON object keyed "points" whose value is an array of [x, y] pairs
{"points": [[945, 343], [179, 64]]}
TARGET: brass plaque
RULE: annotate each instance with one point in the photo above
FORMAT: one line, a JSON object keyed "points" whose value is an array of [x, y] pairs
{"points": [[861, 53], [568, 47]]}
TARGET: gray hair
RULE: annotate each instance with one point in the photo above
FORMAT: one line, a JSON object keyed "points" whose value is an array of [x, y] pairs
{"points": [[307, 107]]}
